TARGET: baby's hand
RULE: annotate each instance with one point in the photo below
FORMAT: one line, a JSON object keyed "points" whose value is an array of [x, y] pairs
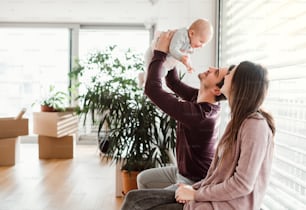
{"points": [[185, 60], [190, 69]]}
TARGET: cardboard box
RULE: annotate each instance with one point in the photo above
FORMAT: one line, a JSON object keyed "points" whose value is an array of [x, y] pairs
{"points": [[55, 124], [52, 147], [9, 127], [9, 151]]}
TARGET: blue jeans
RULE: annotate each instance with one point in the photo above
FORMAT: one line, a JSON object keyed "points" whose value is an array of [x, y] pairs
{"points": [[151, 199]]}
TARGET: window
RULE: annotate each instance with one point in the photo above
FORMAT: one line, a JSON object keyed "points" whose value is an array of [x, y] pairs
{"points": [[35, 56], [273, 33], [96, 38], [91, 40], [31, 59]]}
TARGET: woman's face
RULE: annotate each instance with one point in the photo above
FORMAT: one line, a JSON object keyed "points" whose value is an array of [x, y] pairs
{"points": [[228, 83]]}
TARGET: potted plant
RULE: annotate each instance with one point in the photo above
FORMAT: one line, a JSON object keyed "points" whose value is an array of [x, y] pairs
{"points": [[139, 134], [54, 101]]}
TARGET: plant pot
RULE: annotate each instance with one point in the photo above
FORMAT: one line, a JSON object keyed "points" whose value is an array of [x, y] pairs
{"points": [[45, 108], [129, 180]]}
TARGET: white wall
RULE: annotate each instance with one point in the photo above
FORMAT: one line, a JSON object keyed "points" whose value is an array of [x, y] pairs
{"points": [[166, 15]]}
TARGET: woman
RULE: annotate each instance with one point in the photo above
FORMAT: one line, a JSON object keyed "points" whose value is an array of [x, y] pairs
{"points": [[239, 173]]}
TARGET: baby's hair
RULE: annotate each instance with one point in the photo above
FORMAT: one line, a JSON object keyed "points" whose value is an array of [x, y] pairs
{"points": [[200, 25]]}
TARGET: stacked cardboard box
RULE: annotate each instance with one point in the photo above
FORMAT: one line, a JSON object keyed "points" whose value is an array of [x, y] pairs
{"points": [[56, 133], [10, 130]]}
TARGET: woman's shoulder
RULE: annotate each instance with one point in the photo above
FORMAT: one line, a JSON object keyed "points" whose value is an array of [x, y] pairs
{"points": [[255, 130], [255, 122], [256, 116]]}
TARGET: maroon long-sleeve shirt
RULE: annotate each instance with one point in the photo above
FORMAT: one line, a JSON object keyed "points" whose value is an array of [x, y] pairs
{"points": [[197, 128]]}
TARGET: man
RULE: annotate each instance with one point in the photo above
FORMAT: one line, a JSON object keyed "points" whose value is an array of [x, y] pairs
{"points": [[197, 117]]}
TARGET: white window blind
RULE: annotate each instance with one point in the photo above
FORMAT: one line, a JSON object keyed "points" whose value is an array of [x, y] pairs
{"points": [[273, 33]]}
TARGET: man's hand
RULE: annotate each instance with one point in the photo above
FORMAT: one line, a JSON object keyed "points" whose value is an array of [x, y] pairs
{"points": [[184, 193], [163, 41]]}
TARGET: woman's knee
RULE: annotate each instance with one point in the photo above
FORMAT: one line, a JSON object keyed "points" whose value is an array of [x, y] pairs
{"points": [[129, 199], [131, 195]]}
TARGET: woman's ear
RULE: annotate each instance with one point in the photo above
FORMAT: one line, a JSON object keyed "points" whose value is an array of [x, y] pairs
{"points": [[217, 91]]}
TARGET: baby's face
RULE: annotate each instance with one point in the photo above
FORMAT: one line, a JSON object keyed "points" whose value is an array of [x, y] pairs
{"points": [[198, 40]]}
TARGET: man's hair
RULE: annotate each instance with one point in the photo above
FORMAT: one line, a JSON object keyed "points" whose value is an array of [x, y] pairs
{"points": [[220, 84]]}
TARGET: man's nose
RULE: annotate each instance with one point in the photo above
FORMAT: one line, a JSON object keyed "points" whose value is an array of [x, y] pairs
{"points": [[212, 69]]}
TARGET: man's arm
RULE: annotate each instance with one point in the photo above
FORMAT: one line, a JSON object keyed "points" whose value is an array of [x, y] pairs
{"points": [[161, 98], [181, 111], [177, 86]]}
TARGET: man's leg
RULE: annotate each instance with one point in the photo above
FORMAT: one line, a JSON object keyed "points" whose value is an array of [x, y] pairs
{"points": [[150, 199], [157, 177], [179, 179]]}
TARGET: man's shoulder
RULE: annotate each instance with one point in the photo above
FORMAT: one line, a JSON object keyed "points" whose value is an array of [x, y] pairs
{"points": [[209, 110], [213, 107]]}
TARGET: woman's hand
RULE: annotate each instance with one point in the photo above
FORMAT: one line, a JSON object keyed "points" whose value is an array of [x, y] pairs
{"points": [[163, 41], [184, 193]]}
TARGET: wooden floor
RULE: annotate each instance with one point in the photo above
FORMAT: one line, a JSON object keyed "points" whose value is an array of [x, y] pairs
{"points": [[82, 183]]}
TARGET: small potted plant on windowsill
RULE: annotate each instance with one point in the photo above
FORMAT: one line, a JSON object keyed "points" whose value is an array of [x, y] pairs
{"points": [[54, 101]]}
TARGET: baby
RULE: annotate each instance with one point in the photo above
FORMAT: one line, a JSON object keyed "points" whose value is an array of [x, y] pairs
{"points": [[183, 43]]}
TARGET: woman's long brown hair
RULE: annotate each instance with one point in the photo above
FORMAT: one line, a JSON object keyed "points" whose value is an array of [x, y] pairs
{"points": [[248, 90]]}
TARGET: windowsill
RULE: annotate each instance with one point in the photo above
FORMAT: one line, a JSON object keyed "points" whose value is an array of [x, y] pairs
{"points": [[85, 139]]}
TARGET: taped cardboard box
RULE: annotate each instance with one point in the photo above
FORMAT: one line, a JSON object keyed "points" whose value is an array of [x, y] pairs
{"points": [[55, 124], [9, 151], [52, 147], [10, 127]]}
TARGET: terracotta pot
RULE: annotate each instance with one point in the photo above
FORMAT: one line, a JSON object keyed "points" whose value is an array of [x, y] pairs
{"points": [[45, 108], [129, 180]]}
